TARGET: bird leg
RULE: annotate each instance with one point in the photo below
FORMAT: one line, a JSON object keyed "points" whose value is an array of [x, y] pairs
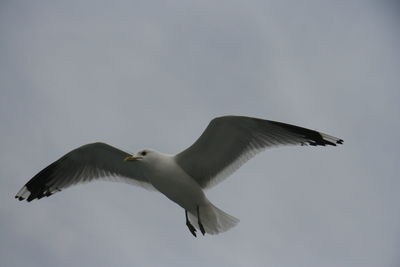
{"points": [[189, 225], [199, 221]]}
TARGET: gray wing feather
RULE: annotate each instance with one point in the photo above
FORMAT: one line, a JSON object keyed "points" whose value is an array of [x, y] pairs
{"points": [[84, 164], [229, 141]]}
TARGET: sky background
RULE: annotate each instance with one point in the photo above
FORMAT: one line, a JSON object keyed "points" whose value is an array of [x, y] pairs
{"points": [[152, 74]]}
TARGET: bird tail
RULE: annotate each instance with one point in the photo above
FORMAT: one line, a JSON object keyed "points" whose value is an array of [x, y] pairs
{"points": [[213, 219]]}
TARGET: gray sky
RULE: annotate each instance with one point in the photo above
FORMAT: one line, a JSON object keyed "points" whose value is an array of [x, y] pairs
{"points": [[152, 74]]}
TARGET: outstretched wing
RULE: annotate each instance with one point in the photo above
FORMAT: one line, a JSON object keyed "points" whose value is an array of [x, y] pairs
{"points": [[84, 164], [230, 141]]}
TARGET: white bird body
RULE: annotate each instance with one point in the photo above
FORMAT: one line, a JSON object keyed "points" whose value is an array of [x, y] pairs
{"points": [[164, 172], [226, 144], [171, 180]]}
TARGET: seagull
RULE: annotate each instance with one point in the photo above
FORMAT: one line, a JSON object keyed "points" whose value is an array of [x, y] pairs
{"points": [[225, 145]]}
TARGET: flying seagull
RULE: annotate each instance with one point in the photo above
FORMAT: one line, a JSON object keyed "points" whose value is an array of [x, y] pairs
{"points": [[225, 145]]}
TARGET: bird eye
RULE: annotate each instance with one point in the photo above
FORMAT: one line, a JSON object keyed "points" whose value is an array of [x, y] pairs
{"points": [[143, 153]]}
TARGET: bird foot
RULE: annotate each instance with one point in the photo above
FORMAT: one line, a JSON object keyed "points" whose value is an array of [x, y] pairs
{"points": [[202, 228], [189, 225], [199, 221], [191, 228]]}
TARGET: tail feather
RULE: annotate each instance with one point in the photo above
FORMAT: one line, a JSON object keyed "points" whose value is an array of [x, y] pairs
{"points": [[213, 219]]}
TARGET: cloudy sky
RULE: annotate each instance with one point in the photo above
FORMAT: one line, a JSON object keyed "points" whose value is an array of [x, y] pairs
{"points": [[152, 74]]}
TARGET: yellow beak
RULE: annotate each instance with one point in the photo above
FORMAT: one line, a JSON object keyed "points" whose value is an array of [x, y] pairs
{"points": [[131, 158]]}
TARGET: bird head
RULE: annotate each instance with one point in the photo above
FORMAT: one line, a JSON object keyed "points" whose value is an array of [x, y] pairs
{"points": [[137, 156]]}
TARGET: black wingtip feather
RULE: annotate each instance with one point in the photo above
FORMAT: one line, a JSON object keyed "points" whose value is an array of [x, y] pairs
{"points": [[314, 138], [37, 185]]}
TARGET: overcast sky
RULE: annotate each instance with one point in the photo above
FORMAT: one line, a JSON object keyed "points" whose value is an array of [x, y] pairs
{"points": [[152, 74]]}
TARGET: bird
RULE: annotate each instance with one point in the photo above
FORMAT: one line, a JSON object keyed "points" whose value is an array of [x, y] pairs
{"points": [[226, 144]]}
